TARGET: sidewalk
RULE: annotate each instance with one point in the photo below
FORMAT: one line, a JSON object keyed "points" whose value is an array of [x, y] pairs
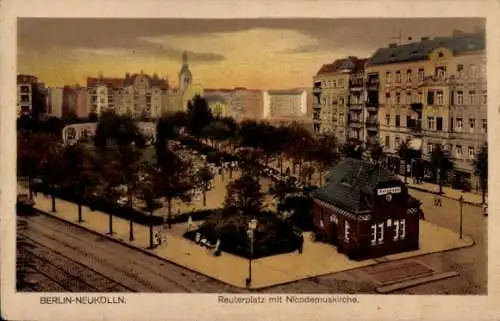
{"points": [[317, 258], [448, 192]]}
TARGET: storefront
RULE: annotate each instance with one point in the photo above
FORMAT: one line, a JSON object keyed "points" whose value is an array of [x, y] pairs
{"points": [[365, 211]]}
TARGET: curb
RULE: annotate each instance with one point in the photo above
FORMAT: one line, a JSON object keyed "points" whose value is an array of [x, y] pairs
{"points": [[443, 195], [133, 247]]}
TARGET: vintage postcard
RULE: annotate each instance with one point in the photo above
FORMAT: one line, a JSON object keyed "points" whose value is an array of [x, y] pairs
{"points": [[309, 160]]}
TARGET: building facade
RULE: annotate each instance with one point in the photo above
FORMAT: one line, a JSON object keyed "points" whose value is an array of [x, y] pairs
{"points": [[332, 98], [55, 105], [284, 103], [25, 85], [246, 104], [365, 211], [218, 104], [434, 91]]}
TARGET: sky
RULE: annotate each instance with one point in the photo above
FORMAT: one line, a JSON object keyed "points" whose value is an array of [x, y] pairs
{"points": [[222, 53]]}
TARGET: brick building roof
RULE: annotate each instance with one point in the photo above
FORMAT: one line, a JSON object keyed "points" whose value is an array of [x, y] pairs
{"points": [[348, 184]]}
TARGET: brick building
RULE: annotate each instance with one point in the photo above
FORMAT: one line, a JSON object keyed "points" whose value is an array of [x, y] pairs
{"points": [[366, 211]]}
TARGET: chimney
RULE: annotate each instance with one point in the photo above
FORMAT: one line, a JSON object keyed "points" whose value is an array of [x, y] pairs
{"points": [[393, 45]]}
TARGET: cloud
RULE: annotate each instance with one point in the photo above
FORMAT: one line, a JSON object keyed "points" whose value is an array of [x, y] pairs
{"points": [[103, 51], [192, 55]]}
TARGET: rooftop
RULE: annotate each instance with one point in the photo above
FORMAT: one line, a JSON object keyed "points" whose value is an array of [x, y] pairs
{"points": [[460, 43], [348, 184], [352, 64]]}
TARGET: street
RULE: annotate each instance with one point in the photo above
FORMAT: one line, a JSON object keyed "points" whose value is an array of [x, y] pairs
{"points": [[72, 259]]}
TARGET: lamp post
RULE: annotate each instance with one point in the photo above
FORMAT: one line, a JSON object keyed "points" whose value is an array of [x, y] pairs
{"points": [[252, 225], [461, 200]]}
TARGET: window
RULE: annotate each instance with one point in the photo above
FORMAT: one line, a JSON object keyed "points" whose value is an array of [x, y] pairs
{"points": [[408, 75], [398, 98], [472, 124], [441, 72], [458, 150], [472, 71], [380, 233], [388, 77], [341, 83], [387, 96], [431, 123], [440, 98], [430, 98], [341, 117], [397, 141], [346, 232], [399, 229], [341, 101], [398, 121], [472, 152], [398, 76], [429, 148], [460, 97], [460, 68], [387, 142], [408, 98], [485, 125], [460, 124], [421, 74], [439, 123], [388, 120], [472, 97], [374, 234]]}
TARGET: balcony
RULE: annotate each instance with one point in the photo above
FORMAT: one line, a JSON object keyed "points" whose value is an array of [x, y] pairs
{"points": [[415, 125], [372, 124], [416, 107], [356, 106], [356, 124], [372, 141]]}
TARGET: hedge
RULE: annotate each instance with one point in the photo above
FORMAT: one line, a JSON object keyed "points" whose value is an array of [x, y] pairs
{"points": [[236, 241]]}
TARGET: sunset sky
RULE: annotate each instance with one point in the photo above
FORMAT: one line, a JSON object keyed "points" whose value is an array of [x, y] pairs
{"points": [[252, 53]]}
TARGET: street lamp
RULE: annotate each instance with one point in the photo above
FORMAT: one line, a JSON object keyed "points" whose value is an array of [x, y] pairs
{"points": [[252, 225]]}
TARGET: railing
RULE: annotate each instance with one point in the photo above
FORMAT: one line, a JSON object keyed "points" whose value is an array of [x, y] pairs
{"points": [[415, 125]]}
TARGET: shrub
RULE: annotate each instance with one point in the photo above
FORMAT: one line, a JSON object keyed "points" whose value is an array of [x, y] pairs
{"points": [[273, 235]]}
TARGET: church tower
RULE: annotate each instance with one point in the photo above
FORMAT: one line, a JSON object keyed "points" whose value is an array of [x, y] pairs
{"points": [[185, 76]]}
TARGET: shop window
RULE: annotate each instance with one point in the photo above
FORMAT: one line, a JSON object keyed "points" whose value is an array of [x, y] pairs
{"points": [[374, 234], [399, 229], [380, 233]]}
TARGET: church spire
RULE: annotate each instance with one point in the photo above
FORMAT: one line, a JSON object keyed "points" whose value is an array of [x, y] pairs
{"points": [[184, 58]]}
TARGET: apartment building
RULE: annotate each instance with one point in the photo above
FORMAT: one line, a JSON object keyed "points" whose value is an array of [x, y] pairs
{"points": [[25, 85], [332, 95], [434, 92], [55, 105], [246, 104], [282, 104]]}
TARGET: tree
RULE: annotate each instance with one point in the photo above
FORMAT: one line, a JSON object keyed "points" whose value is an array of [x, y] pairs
{"points": [[302, 140], [377, 154], [168, 127], [80, 173], [243, 196], [306, 174], [325, 154], [199, 115], [404, 153], [481, 169], [119, 135], [52, 166], [204, 177], [30, 148], [174, 179], [249, 160], [39, 103], [440, 164], [351, 150], [150, 193], [281, 188]]}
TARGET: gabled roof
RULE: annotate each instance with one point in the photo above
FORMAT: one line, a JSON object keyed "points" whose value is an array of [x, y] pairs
{"points": [[353, 64], [348, 183], [420, 50]]}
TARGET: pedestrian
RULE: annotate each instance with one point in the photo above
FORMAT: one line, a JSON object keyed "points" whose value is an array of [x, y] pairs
{"points": [[301, 244]]}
